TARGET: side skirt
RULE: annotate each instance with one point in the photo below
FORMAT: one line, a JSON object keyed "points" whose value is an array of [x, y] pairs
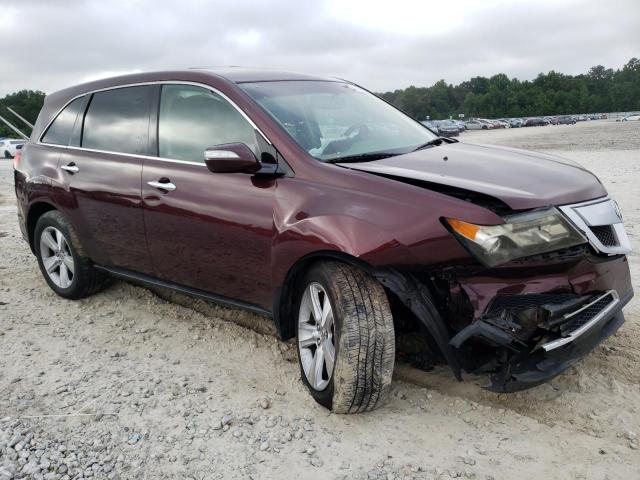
{"points": [[194, 292]]}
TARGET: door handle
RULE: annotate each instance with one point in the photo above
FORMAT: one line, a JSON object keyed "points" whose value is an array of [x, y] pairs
{"points": [[168, 186], [71, 168]]}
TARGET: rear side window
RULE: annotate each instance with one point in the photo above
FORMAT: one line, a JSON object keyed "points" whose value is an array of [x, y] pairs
{"points": [[118, 120], [60, 130], [194, 118]]}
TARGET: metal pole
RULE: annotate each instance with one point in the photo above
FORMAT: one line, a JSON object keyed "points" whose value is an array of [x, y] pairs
{"points": [[13, 128], [20, 116]]}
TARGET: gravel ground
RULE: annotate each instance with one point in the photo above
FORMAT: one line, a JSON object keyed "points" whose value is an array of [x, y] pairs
{"points": [[127, 385]]}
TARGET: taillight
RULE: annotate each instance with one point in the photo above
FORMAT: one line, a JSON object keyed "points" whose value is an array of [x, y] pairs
{"points": [[16, 159]]}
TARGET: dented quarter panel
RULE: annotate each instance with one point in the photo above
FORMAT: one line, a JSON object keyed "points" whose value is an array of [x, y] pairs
{"points": [[31, 189]]}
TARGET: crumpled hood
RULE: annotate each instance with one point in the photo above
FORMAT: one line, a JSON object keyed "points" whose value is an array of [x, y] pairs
{"points": [[519, 178]]}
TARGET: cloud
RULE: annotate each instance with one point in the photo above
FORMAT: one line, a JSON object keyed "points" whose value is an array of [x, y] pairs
{"points": [[381, 45]]}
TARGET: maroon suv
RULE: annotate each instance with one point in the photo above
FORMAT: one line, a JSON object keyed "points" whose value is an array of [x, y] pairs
{"points": [[316, 203]]}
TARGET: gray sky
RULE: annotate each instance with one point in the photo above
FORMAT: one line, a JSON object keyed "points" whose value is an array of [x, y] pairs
{"points": [[50, 44]]}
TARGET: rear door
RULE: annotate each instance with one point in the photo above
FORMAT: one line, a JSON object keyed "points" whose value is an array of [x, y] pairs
{"points": [[100, 176], [208, 231]]}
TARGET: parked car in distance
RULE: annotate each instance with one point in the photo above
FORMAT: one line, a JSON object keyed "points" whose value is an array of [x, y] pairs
{"points": [[491, 123], [447, 128], [460, 124], [8, 146], [535, 122], [430, 125], [475, 124], [566, 120], [631, 118], [315, 203]]}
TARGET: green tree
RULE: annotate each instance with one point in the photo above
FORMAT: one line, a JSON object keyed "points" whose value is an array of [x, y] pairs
{"points": [[599, 90], [25, 102]]}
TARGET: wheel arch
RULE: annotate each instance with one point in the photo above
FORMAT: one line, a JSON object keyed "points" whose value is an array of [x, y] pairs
{"points": [[36, 210], [285, 295]]}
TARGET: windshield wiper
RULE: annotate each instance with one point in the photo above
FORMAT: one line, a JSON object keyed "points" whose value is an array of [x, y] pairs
{"points": [[362, 157], [431, 143]]}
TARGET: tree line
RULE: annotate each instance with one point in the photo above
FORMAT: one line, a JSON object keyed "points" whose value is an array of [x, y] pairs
{"points": [[600, 90]]}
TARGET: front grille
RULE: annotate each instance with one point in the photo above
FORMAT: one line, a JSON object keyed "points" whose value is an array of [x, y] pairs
{"points": [[605, 234], [608, 236], [523, 302], [583, 316]]}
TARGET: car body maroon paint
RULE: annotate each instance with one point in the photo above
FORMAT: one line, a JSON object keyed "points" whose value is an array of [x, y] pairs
{"points": [[521, 179], [107, 215], [247, 236], [213, 233]]}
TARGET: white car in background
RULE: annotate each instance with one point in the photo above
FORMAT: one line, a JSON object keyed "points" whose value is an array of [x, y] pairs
{"points": [[9, 146], [631, 118], [475, 125]]}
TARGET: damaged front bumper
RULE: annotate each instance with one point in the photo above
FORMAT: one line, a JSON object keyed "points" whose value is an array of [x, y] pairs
{"points": [[523, 324], [562, 333]]}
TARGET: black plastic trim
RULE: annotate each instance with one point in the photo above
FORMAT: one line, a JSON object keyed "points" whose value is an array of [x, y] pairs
{"points": [[417, 298], [194, 292], [527, 370]]}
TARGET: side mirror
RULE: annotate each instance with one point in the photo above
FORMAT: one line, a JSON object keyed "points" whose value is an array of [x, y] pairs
{"points": [[231, 158]]}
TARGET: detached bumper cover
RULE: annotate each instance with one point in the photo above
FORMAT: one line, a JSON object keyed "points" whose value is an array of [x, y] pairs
{"points": [[527, 369]]}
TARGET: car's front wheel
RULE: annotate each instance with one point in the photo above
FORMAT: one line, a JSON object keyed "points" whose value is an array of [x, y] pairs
{"points": [[345, 338]]}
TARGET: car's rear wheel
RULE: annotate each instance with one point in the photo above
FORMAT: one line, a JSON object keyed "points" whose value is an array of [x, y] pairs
{"points": [[61, 258], [345, 338]]}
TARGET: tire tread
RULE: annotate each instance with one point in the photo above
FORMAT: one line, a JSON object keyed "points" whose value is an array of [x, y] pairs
{"points": [[367, 341]]}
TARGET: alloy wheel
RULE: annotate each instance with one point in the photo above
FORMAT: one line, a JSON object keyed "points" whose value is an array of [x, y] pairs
{"points": [[56, 257], [316, 334]]}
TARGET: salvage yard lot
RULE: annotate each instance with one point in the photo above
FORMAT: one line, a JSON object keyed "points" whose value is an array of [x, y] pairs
{"points": [[127, 385]]}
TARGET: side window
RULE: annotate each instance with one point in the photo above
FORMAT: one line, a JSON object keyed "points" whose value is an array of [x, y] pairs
{"points": [[118, 120], [60, 130], [194, 118]]}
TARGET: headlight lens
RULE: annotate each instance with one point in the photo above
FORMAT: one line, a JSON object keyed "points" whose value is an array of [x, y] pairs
{"points": [[521, 236]]}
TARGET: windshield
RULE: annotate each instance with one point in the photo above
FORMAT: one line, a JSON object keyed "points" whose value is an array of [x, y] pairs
{"points": [[332, 120]]}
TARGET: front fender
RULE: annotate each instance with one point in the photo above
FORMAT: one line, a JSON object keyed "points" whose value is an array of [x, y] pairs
{"points": [[382, 222], [330, 233]]}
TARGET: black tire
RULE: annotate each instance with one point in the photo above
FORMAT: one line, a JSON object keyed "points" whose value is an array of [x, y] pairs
{"points": [[86, 279], [7, 154], [363, 336]]}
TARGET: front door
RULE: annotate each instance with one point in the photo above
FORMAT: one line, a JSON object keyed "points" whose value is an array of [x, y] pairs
{"points": [[207, 231]]}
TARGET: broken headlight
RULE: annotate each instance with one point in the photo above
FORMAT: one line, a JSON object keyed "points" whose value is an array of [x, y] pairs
{"points": [[520, 236]]}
